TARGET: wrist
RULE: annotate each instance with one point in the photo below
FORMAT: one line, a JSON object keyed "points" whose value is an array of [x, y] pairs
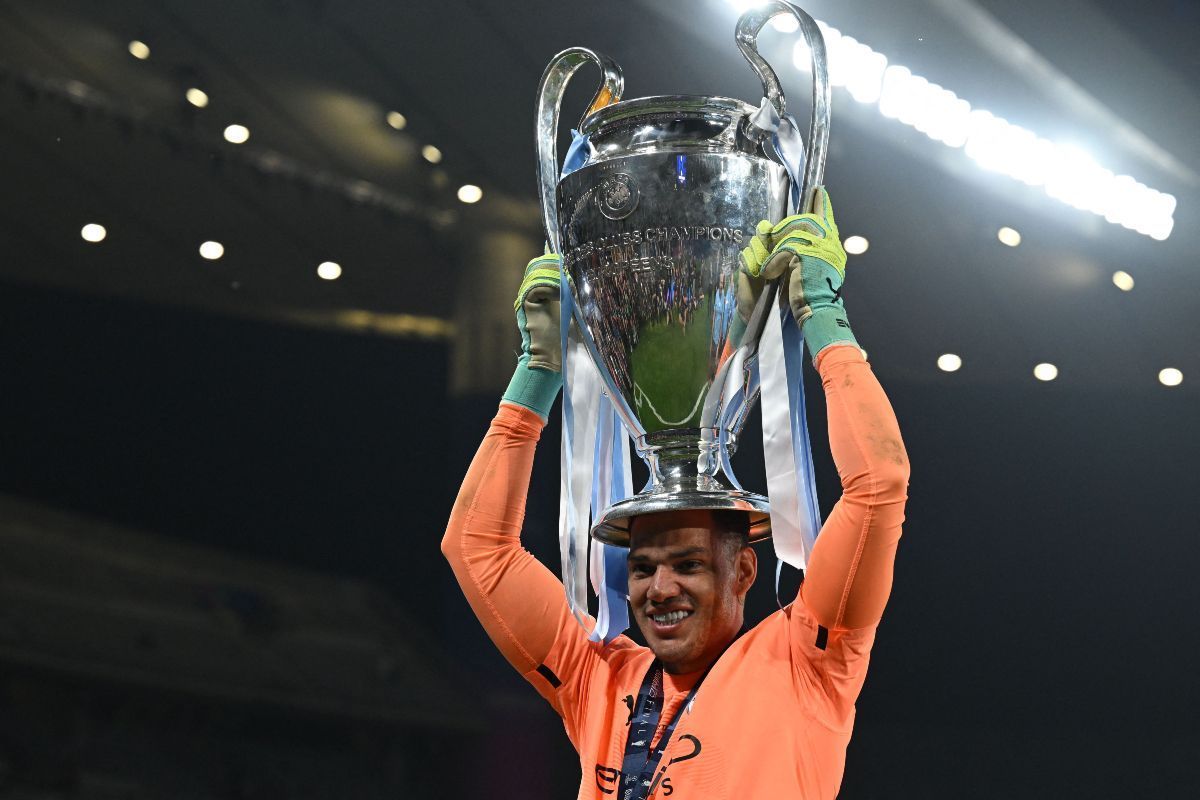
{"points": [[534, 388], [825, 327]]}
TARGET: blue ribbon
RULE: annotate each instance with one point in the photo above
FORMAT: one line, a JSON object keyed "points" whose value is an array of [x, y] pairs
{"points": [[610, 472], [793, 357]]}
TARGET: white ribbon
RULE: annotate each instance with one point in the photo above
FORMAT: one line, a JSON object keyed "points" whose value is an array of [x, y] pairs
{"points": [[594, 470], [581, 413], [787, 450], [594, 474], [611, 483]]}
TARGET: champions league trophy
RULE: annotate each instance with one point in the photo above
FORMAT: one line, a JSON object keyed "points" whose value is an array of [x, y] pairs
{"points": [[655, 200]]}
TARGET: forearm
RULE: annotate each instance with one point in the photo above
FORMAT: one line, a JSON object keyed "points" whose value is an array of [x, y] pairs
{"points": [[849, 575], [518, 601]]}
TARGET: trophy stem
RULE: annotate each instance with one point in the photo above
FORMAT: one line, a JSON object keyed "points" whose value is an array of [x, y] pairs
{"points": [[682, 460], [685, 475]]}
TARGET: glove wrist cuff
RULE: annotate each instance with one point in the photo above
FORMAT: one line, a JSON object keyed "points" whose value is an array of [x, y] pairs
{"points": [[827, 326], [533, 388]]}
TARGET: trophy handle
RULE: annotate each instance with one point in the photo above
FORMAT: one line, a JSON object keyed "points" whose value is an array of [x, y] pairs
{"points": [[816, 147], [748, 27], [550, 93]]}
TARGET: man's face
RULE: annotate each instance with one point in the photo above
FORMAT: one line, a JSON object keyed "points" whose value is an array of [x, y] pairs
{"points": [[686, 589]]}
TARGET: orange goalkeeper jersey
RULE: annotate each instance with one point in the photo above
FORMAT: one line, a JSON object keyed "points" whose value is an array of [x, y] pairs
{"points": [[774, 715]]}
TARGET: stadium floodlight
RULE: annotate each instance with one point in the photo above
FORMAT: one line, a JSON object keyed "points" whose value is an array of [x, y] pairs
{"points": [[1063, 171]]}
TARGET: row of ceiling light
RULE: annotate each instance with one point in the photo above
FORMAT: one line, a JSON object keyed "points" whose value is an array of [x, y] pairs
{"points": [[95, 233], [469, 193], [952, 362], [947, 362], [237, 133], [856, 245], [1009, 236], [1065, 171]]}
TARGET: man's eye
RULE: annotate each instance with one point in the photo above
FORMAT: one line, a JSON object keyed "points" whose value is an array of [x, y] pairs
{"points": [[690, 566], [639, 570]]}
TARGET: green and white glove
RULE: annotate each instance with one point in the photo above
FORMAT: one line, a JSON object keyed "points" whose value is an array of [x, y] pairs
{"points": [[806, 251], [538, 377]]}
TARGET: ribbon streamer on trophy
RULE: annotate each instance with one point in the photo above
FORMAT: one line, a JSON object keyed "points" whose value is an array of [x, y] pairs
{"points": [[664, 341]]}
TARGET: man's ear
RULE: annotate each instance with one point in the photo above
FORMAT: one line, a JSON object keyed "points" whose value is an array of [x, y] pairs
{"points": [[745, 571]]}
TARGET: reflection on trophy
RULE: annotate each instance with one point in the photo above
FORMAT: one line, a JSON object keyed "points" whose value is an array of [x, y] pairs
{"points": [[650, 220]]}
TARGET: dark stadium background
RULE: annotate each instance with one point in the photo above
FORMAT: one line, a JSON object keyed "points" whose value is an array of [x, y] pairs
{"points": [[223, 484]]}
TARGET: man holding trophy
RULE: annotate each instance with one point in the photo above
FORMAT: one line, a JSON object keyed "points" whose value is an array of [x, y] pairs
{"points": [[673, 293]]}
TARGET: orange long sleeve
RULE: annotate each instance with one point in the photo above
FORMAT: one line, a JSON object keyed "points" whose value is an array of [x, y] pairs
{"points": [[519, 602], [849, 574], [784, 668]]}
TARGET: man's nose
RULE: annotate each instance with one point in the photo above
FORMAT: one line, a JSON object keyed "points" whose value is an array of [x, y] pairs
{"points": [[662, 586]]}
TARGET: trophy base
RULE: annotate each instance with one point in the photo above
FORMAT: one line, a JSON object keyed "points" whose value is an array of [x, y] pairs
{"points": [[613, 526]]}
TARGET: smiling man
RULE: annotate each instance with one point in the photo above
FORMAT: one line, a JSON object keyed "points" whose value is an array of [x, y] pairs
{"points": [[688, 577], [710, 709]]}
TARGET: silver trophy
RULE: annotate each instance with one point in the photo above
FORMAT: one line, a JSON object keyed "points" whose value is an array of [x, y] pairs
{"points": [[650, 228]]}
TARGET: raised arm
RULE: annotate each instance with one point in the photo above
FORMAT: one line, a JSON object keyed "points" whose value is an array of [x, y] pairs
{"points": [[520, 603], [849, 575]]}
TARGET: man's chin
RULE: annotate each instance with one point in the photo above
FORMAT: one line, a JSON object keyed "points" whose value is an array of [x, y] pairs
{"points": [[668, 651]]}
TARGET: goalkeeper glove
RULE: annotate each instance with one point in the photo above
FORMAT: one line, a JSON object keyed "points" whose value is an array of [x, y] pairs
{"points": [[538, 376], [806, 251]]}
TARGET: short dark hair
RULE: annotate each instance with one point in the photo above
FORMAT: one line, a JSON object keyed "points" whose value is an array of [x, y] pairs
{"points": [[732, 529]]}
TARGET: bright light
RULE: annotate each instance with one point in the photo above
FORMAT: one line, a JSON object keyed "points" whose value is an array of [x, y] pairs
{"points": [[948, 362], [431, 154], [197, 97], [1170, 377], [856, 245], [1123, 280], [1008, 236], [1069, 174], [212, 250], [1078, 180], [852, 64], [864, 72], [139, 50], [237, 134], [470, 193], [1045, 372], [896, 91], [329, 270], [999, 146], [785, 23], [1063, 171], [936, 112], [93, 232], [396, 120]]}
